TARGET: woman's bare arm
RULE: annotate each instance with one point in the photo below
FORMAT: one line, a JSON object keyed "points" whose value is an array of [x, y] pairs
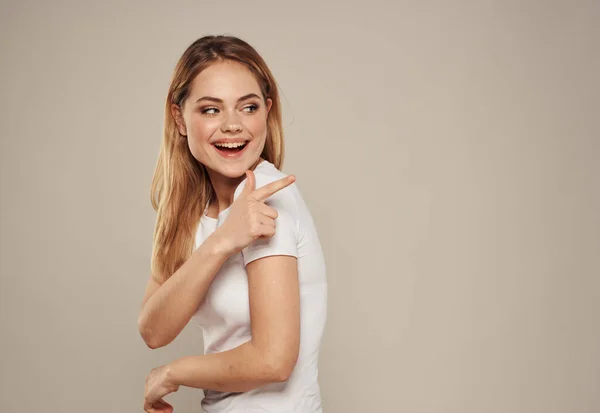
{"points": [[272, 352], [167, 308]]}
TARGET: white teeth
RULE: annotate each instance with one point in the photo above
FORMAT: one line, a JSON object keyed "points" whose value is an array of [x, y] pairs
{"points": [[230, 145]]}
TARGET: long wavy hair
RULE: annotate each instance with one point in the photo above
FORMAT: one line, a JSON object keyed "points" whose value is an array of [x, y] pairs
{"points": [[181, 186]]}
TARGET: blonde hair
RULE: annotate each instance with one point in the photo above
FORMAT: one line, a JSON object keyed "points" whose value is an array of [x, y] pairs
{"points": [[181, 186]]}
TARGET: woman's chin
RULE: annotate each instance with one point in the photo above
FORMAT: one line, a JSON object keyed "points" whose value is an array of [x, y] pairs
{"points": [[234, 170]]}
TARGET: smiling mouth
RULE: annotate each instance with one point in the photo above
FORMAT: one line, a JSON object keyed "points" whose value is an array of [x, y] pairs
{"points": [[230, 148]]}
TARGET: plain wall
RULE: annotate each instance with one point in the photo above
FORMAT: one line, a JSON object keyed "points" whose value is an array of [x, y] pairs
{"points": [[449, 152]]}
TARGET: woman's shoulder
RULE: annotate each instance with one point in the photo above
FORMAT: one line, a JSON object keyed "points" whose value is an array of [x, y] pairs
{"points": [[265, 173]]}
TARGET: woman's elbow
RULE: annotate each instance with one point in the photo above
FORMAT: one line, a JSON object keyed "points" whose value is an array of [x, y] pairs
{"points": [[153, 344], [282, 374], [282, 365], [151, 340]]}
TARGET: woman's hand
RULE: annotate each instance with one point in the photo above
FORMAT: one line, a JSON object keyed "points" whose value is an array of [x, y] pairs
{"points": [[249, 217], [158, 386]]}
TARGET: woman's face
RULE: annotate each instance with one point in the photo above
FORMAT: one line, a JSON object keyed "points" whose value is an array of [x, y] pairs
{"points": [[225, 119]]}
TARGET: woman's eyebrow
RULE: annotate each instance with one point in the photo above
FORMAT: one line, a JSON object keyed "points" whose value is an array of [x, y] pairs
{"points": [[213, 99]]}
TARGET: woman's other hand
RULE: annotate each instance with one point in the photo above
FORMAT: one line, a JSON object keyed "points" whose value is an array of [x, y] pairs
{"points": [[157, 387]]}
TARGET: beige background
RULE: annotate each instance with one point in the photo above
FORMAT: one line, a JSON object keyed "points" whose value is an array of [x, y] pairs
{"points": [[449, 152]]}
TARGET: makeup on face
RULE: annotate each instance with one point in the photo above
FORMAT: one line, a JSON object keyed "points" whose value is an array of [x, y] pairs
{"points": [[226, 120]]}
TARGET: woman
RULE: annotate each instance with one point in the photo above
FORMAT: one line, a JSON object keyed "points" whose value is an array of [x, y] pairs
{"points": [[235, 246]]}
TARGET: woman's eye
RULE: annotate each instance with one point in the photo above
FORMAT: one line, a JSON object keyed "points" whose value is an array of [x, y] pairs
{"points": [[210, 111], [251, 108]]}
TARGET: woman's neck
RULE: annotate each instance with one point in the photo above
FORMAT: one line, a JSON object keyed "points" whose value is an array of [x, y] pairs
{"points": [[224, 188]]}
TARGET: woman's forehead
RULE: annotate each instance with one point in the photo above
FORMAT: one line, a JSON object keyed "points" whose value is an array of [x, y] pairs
{"points": [[226, 81]]}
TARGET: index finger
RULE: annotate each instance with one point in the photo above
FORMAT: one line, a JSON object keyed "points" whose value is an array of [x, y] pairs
{"points": [[266, 191]]}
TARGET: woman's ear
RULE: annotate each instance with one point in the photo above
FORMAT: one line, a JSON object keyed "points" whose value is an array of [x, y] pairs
{"points": [[269, 104], [177, 115]]}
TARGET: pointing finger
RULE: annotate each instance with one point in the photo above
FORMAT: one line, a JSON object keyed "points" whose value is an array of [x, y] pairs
{"points": [[266, 191]]}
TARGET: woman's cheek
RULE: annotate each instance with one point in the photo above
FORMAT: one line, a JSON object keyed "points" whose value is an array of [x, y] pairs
{"points": [[258, 127], [203, 130], [196, 150]]}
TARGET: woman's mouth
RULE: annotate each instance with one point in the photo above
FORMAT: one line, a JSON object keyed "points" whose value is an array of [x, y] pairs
{"points": [[231, 149]]}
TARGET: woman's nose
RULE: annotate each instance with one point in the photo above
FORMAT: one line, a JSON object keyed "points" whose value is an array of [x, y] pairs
{"points": [[231, 123]]}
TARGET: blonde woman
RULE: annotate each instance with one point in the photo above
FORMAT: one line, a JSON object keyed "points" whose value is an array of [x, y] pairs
{"points": [[235, 247]]}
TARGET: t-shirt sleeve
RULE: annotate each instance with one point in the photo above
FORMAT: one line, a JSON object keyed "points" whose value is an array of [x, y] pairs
{"points": [[285, 240]]}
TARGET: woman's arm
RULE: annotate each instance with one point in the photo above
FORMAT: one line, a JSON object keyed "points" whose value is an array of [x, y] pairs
{"points": [[167, 308], [271, 354]]}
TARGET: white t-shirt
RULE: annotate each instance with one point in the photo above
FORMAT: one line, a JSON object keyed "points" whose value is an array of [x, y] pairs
{"points": [[225, 317]]}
